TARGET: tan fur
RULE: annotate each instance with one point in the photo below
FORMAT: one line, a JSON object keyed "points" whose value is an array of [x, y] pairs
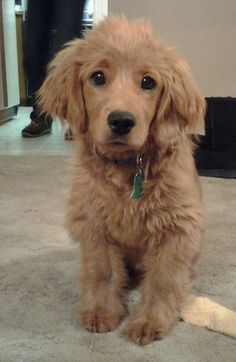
{"points": [[158, 236]]}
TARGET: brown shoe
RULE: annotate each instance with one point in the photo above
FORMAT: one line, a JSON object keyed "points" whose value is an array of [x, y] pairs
{"points": [[68, 136], [37, 129]]}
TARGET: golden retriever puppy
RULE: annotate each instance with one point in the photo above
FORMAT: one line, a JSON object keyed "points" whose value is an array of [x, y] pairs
{"points": [[135, 204]]}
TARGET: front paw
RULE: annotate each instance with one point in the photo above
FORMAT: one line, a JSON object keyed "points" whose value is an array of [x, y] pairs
{"points": [[144, 331], [99, 320]]}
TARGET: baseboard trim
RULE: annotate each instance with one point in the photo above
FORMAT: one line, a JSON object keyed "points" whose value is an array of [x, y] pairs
{"points": [[230, 174], [8, 113]]}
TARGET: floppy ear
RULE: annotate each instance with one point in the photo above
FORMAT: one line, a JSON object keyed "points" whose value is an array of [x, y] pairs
{"points": [[61, 94], [181, 107]]}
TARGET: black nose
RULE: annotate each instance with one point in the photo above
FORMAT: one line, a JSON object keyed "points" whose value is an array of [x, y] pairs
{"points": [[121, 123]]}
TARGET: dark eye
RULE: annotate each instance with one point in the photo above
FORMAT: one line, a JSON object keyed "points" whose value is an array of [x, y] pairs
{"points": [[148, 83], [98, 78]]}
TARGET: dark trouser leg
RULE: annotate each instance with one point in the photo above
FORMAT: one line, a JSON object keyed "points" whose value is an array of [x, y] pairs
{"points": [[67, 25], [67, 21], [50, 23], [36, 46]]}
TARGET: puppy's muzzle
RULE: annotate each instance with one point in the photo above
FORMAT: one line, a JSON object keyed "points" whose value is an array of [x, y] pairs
{"points": [[121, 123]]}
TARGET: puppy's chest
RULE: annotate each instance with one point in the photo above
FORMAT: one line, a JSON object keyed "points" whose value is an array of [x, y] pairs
{"points": [[132, 223], [125, 226]]}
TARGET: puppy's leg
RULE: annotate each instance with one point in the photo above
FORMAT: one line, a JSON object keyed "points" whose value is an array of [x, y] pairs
{"points": [[102, 280], [167, 278]]}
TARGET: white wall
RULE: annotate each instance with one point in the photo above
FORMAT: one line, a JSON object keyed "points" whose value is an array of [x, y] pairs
{"points": [[9, 33], [100, 9], [204, 31]]}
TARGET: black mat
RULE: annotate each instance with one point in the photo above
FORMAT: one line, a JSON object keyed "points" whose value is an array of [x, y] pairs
{"points": [[216, 155]]}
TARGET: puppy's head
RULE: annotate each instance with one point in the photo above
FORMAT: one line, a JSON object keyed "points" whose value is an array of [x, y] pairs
{"points": [[119, 87]]}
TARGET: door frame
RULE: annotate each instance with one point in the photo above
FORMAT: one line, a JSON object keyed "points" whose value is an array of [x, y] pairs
{"points": [[100, 9]]}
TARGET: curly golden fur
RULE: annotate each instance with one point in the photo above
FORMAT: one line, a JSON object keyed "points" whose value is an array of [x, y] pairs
{"points": [[156, 237]]}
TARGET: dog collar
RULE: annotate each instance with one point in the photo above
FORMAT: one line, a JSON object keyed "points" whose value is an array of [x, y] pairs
{"points": [[124, 162], [118, 162]]}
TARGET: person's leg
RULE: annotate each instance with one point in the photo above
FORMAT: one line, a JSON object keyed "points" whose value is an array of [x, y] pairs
{"points": [[60, 22], [67, 25], [67, 22], [36, 58]]}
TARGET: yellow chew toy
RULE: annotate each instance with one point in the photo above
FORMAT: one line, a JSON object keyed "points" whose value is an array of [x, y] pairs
{"points": [[203, 312]]}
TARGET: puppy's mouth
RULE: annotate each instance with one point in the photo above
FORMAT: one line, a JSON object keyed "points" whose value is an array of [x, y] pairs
{"points": [[118, 149], [118, 143]]}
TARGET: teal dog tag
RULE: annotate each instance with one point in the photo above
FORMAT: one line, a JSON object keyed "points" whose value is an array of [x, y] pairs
{"points": [[137, 192]]}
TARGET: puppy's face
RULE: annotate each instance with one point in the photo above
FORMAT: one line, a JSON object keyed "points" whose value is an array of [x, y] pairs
{"points": [[120, 87], [121, 97]]}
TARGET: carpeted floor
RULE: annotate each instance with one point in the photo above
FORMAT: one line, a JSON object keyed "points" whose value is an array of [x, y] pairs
{"points": [[39, 292]]}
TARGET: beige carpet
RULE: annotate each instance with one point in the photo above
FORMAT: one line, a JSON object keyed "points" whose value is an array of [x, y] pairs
{"points": [[39, 292]]}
